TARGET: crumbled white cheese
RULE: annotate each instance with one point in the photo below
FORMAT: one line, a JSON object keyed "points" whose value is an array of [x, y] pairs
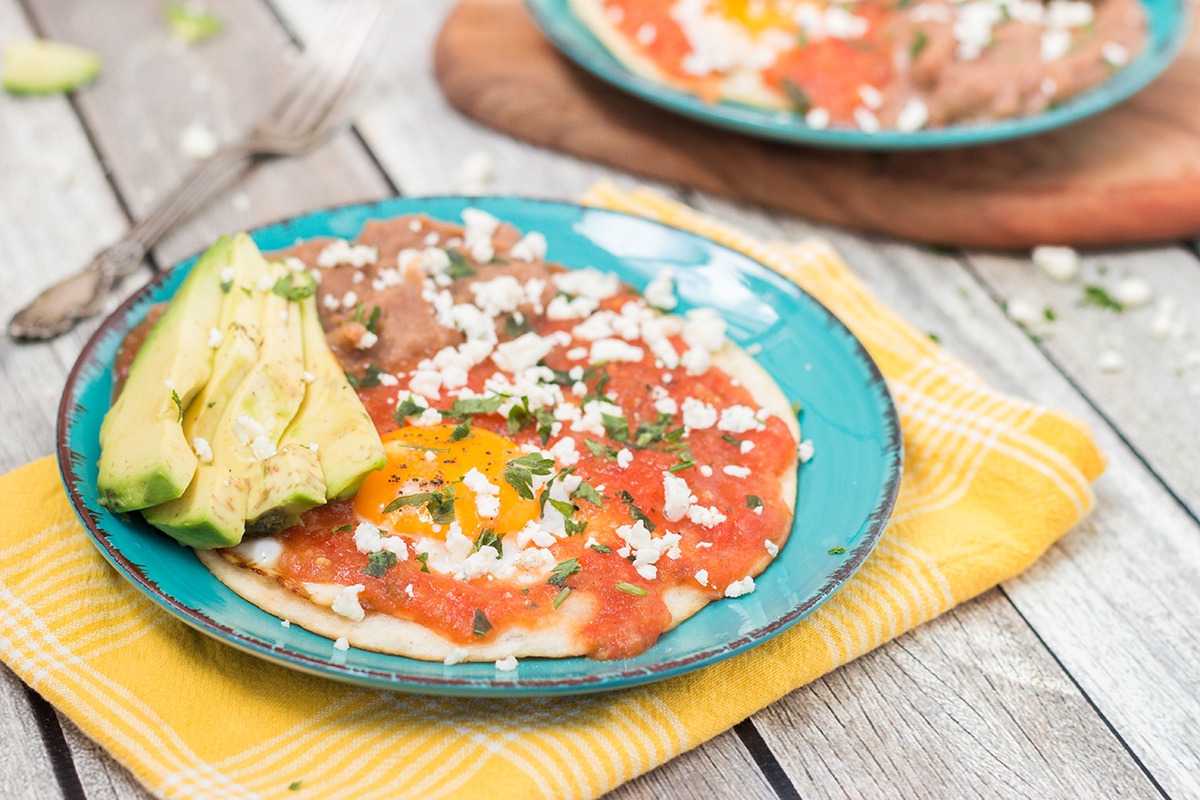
{"points": [[474, 173], [456, 656], [523, 352], [660, 292], [805, 451], [698, 415], [739, 419], [913, 116], [197, 141], [738, 588], [1023, 312], [615, 350], [817, 118], [507, 664], [1060, 263], [341, 643], [702, 577], [677, 497], [487, 494], [340, 252], [215, 337], [708, 517], [735, 471], [1110, 361], [1132, 292], [866, 120], [346, 603], [262, 448], [367, 341], [1114, 54], [624, 458], [203, 450], [772, 548], [531, 247]]}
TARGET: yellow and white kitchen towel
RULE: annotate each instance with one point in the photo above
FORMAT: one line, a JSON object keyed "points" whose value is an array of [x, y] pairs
{"points": [[989, 483]]}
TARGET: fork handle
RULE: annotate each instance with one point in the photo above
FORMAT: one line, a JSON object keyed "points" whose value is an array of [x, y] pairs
{"points": [[58, 308]]}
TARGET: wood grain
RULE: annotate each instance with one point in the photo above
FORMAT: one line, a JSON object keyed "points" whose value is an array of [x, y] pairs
{"points": [[1129, 175]]}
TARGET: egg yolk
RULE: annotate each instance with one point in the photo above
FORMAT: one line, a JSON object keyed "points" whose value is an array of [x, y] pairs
{"points": [[426, 466], [755, 15]]}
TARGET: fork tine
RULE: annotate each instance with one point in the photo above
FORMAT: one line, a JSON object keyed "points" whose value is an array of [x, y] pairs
{"points": [[341, 77], [333, 28]]}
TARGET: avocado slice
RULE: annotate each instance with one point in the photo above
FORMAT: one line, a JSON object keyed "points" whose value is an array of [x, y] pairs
{"points": [[290, 481], [145, 457], [333, 416], [211, 512], [41, 66], [190, 25]]}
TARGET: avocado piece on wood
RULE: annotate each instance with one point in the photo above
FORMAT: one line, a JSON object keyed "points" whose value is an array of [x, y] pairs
{"points": [[145, 457], [212, 511], [41, 66], [331, 415]]}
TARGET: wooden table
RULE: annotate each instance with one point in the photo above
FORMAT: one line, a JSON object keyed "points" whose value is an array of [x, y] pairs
{"points": [[1080, 678]]}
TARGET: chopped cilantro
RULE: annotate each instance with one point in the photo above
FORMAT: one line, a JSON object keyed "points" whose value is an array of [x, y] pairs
{"points": [[294, 786], [371, 323], [753, 501], [574, 528], [600, 548], [518, 417], [488, 537], [226, 286], [797, 407], [439, 504], [352, 379], [418, 499], [210, 405], [686, 461], [482, 625], [461, 431], [933, 337], [285, 287], [520, 471], [423, 560], [920, 40], [465, 406], [616, 428], [587, 492], [558, 600], [799, 99], [837, 551], [516, 327], [379, 563], [371, 376], [733, 440], [1049, 314], [636, 512], [343, 528], [649, 433], [408, 408], [178, 403], [629, 588], [545, 424], [601, 451], [459, 266], [563, 570], [1098, 296]]}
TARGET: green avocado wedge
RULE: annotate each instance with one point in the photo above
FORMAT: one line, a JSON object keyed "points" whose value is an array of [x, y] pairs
{"points": [[146, 459], [333, 416], [211, 512], [41, 66]]}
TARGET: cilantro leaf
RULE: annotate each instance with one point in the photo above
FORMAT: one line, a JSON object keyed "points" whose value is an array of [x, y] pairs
{"points": [[408, 408], [371, 376], [563, 570], [520, 471], [379, 563], [482, 625], [488, 537], [465, 406], [1098, 296], [423, 560], [285, 287], [799, 99], [574, 528], [629, 588], [587, 492], [636, 512], [514, 327], [558, 600], [459, 266], [178, 403], [616, 428], [837, 551], [600, 548], [461, 431], [601, 451], [343, 528], [753, 501], [418, 499]]}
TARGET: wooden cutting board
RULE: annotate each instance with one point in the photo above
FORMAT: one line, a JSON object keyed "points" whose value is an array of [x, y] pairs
{"points": [[1131, 174]]}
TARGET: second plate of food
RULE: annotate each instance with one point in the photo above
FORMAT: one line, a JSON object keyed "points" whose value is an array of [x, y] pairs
{"points": [[843, 58], [844, 497]]}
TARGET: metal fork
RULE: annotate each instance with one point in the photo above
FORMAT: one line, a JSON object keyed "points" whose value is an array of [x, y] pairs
{"points": [[311, 107]]}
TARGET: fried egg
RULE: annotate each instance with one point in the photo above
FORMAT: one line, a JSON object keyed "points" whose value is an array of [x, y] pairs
{"points": [[431, 480]]}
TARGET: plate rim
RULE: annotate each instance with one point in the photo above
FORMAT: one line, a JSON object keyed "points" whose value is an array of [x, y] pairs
{"points": [[871, 527], [760, 123]]}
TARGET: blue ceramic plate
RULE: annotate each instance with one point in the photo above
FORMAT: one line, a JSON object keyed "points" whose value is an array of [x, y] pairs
{"points": [[845, 493], [1169, 24]]}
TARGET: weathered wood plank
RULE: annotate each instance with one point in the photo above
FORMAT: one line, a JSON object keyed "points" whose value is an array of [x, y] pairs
{"points": [[1115, 600], [964, 706], [1152, 396], [721, 767]]}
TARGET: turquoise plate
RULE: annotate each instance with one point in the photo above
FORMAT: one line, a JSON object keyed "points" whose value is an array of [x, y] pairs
{"points": [[845, 493], [1168, 27]]}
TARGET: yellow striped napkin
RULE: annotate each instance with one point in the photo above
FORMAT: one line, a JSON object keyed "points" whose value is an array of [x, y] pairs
{"points": [[989, 483]]}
